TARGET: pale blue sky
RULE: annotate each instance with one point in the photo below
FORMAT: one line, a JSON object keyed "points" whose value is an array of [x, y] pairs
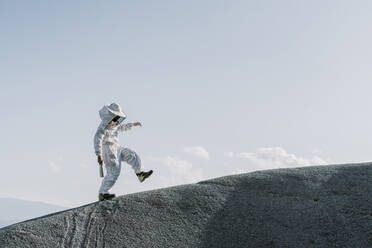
{"points": [[228, 76]]}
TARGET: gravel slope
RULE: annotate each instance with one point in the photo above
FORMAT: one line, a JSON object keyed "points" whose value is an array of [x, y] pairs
{"points": [[319, 206]]}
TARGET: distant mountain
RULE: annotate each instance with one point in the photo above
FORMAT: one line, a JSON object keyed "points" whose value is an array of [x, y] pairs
{"points": [[15, 210], [318, 206], [4, 223]]}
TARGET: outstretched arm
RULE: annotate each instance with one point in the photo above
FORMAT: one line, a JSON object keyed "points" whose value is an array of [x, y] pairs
{"points": [[128, 126]]}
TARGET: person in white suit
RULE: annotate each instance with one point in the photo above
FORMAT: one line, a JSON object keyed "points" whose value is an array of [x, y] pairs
{"points": [[110, 153]]}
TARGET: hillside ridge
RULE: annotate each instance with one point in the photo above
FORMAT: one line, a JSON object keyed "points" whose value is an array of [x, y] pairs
{"points": [[314, 206]]}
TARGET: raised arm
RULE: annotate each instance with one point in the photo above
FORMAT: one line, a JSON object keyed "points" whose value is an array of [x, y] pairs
{"points": [[124, 127]]}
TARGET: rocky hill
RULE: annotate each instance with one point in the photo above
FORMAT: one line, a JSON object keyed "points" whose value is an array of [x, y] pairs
{"points": [[319, 206]]}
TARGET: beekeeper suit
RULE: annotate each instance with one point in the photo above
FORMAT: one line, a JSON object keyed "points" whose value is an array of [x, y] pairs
{"points": [[110, 152]]}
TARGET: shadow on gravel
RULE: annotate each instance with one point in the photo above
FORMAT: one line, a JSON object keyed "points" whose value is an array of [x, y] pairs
{"points": [[304, 207]]}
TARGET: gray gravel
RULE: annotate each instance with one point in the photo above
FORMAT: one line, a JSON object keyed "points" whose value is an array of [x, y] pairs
{"points": [[319, 206]]}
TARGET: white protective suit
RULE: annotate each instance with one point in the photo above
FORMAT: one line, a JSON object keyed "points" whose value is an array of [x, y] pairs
{"points": [[106, 145]]}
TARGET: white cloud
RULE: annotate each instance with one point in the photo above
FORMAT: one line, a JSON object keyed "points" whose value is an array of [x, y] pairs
{"points": [[239, 171], [54, 167], [197, 151], [277, 157], [228, 154], [175, 171]]}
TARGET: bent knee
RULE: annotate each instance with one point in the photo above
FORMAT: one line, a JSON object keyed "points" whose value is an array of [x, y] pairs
{"points": [[128, 155]]}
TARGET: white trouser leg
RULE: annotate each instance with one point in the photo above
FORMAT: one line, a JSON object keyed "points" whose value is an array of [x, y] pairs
{"points": [[131, 157], [113, 167]]}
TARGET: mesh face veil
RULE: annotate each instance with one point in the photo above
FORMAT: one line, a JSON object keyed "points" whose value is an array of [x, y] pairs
{"points": [[121, 119], [116, 120]]}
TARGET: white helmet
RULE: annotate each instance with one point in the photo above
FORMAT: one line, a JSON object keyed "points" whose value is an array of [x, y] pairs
{"points": [[116, 109], [108, 112]]}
